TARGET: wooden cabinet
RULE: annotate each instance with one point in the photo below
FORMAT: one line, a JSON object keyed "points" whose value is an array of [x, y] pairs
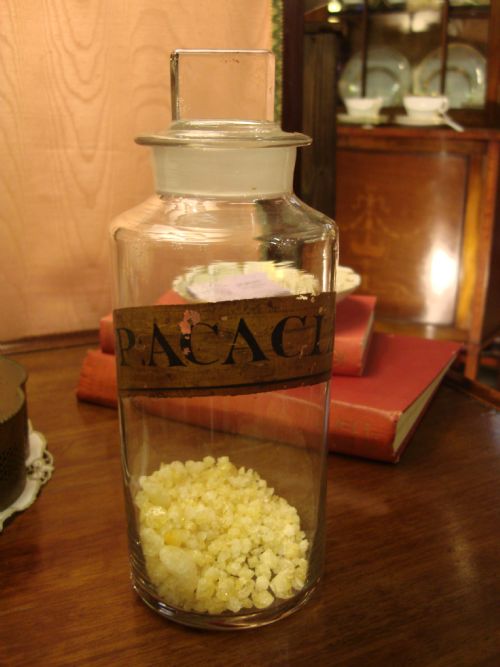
{"points": [[416, 207], [445, 46], [418, 219]]}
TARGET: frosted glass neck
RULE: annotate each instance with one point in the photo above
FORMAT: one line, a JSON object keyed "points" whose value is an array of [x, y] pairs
{"points": [[224, 172]]}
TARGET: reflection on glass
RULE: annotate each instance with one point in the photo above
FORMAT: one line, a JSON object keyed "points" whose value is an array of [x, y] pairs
{"points": [[443, 271]]}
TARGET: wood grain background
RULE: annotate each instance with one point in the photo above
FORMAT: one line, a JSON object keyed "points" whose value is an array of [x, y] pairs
{"points": [[78, 81]]}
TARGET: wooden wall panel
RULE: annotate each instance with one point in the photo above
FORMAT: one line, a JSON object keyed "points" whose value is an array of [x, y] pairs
{"points": [[78, 81]]}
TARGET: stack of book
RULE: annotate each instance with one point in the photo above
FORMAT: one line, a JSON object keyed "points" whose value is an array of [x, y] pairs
{"points": [[381, 383]]}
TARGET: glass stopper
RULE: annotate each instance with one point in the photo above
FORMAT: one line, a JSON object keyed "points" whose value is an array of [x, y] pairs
{"points": [[222, 84]]}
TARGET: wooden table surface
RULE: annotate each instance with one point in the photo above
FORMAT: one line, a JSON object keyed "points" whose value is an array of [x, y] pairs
{"points": [[412, 563]]}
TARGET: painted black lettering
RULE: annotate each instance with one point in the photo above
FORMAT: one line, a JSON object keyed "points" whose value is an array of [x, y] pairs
{"points": [[319, 322], [124, 345], [158, 337], [277, 336], [243, 330]]}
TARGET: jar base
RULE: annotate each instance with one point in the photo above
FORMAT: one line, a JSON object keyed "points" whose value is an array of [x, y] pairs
{"points": [[229, 621]]}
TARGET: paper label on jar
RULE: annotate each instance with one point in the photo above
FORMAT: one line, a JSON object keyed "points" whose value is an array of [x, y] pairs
{"points": [[228, 347]]}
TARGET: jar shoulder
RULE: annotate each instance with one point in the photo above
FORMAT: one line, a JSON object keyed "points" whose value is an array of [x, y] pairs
{"points": [[286, 215]]}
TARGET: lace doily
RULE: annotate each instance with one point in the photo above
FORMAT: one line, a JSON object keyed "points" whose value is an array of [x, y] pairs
{"points": [[39, 468]]}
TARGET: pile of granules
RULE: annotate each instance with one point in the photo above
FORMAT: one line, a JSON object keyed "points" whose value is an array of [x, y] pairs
{"points": [[216, 538]]}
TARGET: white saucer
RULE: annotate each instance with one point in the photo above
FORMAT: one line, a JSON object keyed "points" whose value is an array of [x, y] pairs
{"points": [[39, 469], [419, 122], [347, 282], [361, 120], [211, 282]]}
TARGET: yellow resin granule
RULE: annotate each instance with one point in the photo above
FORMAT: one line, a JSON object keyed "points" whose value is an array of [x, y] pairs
{"points": [[216, 538]]}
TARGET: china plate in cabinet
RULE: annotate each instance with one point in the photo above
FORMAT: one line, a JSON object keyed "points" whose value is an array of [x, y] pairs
{"points": [[419, 122], [388, 75], [362, 120], [465, 76]]}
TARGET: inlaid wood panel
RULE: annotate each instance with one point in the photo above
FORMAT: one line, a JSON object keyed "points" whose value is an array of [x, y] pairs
{"points": [[78, 81], [400, 218]]}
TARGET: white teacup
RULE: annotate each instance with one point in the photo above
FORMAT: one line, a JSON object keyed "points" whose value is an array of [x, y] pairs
{"points": [[425, 106], [363, 106]]}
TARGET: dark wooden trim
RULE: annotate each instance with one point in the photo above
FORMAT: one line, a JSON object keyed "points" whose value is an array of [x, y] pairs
{"points": [[293, 56], [395, 131], [50, 342], [365, 27], [293, 30], [444, 45], [480, 392], [493, 74], [413, 145], [320, 99], [489, 204]]}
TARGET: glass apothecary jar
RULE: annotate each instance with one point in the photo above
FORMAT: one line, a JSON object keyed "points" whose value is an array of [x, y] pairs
{"points": [[224, 315]]}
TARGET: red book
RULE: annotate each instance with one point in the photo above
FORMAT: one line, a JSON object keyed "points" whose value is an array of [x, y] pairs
{"points": [[106, 334], [97, 381], [375, 416], [353, 330], [372, 416]]}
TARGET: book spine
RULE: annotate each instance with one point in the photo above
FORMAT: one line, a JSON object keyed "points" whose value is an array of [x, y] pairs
{"points": [[97, 381], [359, 430], [106, 334], [348, 357]]}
